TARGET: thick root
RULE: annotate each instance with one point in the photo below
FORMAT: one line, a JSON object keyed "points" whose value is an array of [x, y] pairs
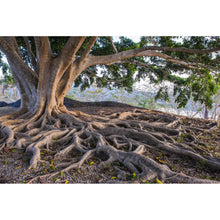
{"points": [[132, 139]]}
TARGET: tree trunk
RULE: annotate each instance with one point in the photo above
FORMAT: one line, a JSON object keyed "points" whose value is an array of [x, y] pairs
{"points": [[43, 122]]}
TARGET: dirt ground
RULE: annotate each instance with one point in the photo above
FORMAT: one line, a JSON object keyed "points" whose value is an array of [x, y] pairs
{"points": [[14, 163]]}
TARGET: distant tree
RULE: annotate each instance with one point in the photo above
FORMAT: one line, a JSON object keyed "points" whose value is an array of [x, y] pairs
{"points": [[45, 68]]}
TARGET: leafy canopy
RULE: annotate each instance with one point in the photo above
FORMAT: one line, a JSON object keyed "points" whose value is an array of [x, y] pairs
{"points": [[200, 84]]}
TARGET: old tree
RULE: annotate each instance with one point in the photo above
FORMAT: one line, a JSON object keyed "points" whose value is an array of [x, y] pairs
{"points": [[45, 68]]}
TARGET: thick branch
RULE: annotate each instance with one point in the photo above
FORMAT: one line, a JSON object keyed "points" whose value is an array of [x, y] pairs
{"points": [[67, 55], [9, 46], [43, 51], [65, 83], [148, 51], [13, 43], [31, 55], [4, 46], [88, 48], [110, 59], [71, 47]]}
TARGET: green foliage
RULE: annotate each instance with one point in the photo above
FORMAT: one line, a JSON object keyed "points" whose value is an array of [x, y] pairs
{"points": [[162, 94], [200, 84], [201, 87]]}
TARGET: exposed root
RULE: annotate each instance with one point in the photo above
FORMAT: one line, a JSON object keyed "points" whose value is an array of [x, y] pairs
{"points": [[126, 138]]}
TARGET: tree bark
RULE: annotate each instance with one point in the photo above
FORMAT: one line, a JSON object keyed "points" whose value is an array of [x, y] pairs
{"points": [[42, 119]]}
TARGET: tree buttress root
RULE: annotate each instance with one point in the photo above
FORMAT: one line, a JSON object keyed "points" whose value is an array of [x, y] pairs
{"points": [[128, 138]]}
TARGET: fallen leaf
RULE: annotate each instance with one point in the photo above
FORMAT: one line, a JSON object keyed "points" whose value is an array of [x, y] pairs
{"points": [[162, 161], [18, 167], [158, 181], [114, 177]]}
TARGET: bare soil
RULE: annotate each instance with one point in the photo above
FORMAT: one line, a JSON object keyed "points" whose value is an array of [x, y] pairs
{"points": [[14, 162]]}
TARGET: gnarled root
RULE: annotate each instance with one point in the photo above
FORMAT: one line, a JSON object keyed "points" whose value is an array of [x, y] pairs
{"points": [[132, 139]]}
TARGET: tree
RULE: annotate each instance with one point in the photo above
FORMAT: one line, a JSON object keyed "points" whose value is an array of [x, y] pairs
{"points": [[45, 68]]}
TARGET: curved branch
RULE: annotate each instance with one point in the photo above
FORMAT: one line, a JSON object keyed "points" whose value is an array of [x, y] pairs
{"points": [[8, 46], [110, 59], [148, 51]]}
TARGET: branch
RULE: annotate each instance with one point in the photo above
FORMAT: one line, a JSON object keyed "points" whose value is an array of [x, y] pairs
{"points": [[67, 54], [88, 48], [70, 49], [139, 63], [113, 45], [4, 46], [13, 43], [31, 55], [110, 59], [64, 82], [182, 49], [10, 48], [43, 51]]}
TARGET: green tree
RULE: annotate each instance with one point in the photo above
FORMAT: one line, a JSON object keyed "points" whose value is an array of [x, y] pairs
{"points": [[45, 68]]}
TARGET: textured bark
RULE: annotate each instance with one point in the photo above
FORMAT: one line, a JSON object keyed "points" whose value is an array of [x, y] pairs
{"points": [[43, 122]]}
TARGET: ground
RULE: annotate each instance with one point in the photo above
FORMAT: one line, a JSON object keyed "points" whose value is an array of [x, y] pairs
{"points": [[202, 136]]}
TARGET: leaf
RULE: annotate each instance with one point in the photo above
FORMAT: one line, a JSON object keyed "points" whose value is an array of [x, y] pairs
{"points": [[158, 181], [61, 173], [66, 182], [18, 167], [114, 177], [162, 161], [52, 167], [91, 163]]}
